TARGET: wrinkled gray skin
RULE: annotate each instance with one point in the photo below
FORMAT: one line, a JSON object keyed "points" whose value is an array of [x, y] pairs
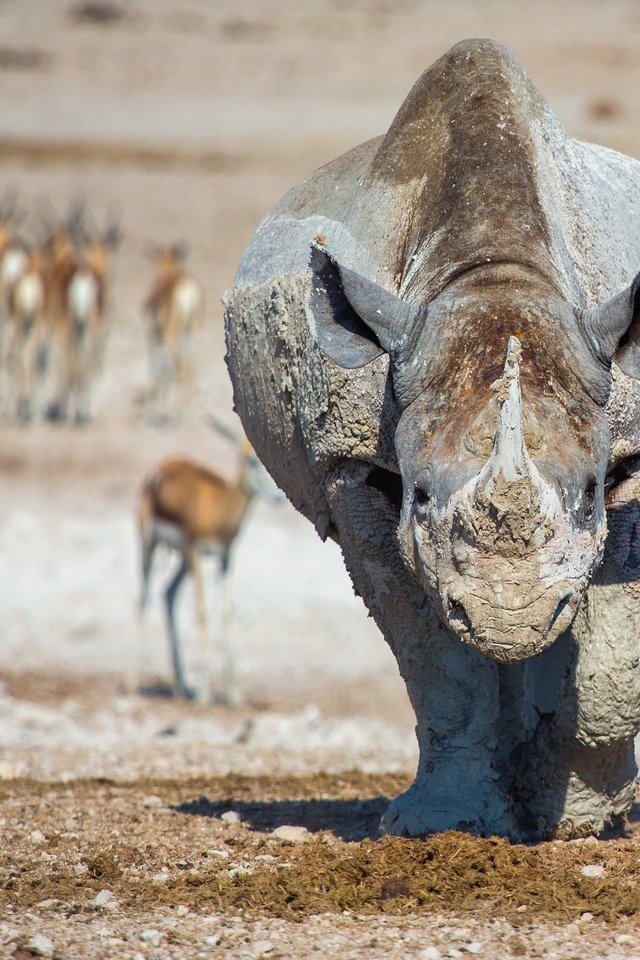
{"points": [[432, 342]]}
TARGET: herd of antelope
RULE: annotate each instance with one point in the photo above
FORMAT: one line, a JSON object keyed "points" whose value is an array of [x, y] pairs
{"points": [[54, 296], [54, 316], [54, 323]]}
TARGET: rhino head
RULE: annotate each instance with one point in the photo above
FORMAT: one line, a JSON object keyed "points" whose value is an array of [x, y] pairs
{"points": [[502, 442]]}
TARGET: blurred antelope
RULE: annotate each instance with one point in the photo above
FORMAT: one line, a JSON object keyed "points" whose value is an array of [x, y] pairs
{"points": [[76, 301], [195, 511], [13, 253], [62, 263], [26, 339], [85, 308], [174, 307]]}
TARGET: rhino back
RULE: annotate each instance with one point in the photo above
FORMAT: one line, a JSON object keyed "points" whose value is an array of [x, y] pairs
{"points": [[475, 167]]}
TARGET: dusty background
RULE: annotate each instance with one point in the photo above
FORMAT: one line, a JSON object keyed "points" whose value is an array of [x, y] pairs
{"points": [[192, 118]]}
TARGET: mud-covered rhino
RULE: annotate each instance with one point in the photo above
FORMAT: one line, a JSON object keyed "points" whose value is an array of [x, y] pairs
{"points": [[433, 343]]}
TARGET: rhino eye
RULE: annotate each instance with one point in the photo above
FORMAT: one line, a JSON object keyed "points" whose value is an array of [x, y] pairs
{"points": [[589, 500], [421, 500]]}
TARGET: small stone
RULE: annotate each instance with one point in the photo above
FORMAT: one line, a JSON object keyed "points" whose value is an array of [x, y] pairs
{"points": [[230, 816], [80, 868], [48, 904], [223, 854], [586, 917], [625, 939], [152, 801], [521, 909], [181, 910], [454, 952], [40, 946], [152, 937], [290, 834], [474, 947], [213, 940], [430, 953], [104, 900], [592, 870], [37, 836], [262, 948]]}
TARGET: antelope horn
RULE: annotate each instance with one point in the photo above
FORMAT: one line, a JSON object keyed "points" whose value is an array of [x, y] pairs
{"points": [[77, 221], [180, 250], [9, 203], [113, 231], [48, 215]]}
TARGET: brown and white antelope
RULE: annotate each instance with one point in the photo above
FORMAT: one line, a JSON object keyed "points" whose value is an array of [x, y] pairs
{"points": [[195, 511], [85, 307], [62, 262], [25, 344], [174, 306], [13, 252]]}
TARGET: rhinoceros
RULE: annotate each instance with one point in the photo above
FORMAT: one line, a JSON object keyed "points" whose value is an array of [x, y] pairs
{"points": [[434, 347]]}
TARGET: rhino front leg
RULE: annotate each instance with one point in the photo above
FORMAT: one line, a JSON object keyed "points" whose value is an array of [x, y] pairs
{"points": [[454, 694], [453, 690], [580, 766]]}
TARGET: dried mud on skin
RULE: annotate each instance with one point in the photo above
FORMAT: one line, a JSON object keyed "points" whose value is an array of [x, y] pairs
{"points": [[154, 843]]}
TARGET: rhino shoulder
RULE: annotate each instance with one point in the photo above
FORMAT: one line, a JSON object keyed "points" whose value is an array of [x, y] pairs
{"points": [[315, 209]]}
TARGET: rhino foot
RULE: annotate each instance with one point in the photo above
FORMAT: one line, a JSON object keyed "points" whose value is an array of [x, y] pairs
{"points": [[418, 812], [568, 791]]}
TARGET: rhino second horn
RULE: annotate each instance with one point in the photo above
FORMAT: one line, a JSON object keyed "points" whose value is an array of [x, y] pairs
{"points": [[509, 455]]}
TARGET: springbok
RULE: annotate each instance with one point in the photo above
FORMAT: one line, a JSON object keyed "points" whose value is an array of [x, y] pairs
{"points": [[85, 300], [62, 263], [175, 308], [195, 511], [26, 340], [13, 252]]}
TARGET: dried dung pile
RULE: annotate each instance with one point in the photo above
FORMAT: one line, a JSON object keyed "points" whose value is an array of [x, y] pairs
{"points": [[210, 845]]}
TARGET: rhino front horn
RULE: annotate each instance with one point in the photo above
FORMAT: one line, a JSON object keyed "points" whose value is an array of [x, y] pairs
{"points": [[510, 463]]}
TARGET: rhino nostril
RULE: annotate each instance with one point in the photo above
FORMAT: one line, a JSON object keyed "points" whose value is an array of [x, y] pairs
{"points": [[563, 606], [458, 617]]}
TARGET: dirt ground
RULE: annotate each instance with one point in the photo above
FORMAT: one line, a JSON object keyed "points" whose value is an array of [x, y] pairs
{"points": [[136, 826]]}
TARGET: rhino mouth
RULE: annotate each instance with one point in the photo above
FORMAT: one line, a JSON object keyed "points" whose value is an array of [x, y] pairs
{"points": [[509, 634]]}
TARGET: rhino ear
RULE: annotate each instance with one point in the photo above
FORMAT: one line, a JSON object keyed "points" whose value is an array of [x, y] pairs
{"points": [[616, 325], [356, 319]]}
